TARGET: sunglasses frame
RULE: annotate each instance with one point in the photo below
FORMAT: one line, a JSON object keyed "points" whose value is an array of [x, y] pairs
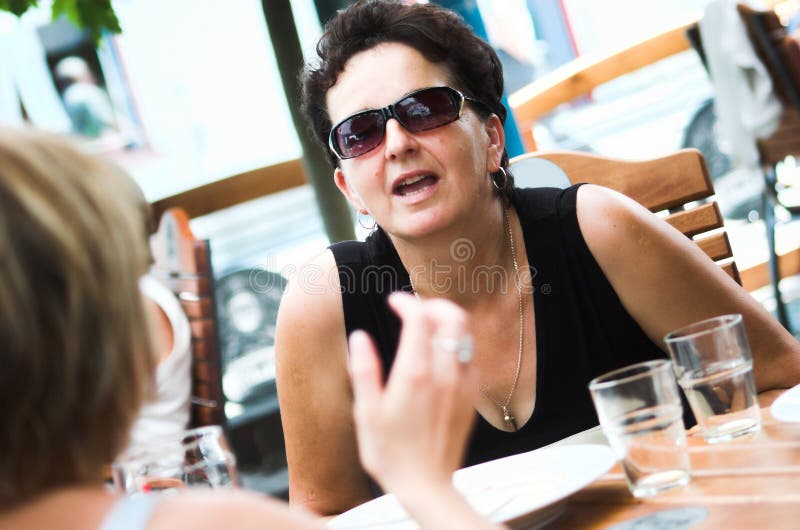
{"points": [[388, 112]]}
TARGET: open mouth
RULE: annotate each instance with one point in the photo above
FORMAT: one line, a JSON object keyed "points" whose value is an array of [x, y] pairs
{"points": [[414, 184]]}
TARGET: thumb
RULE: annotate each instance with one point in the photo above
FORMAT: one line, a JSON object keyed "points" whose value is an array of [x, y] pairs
{"points": [[365, 369]]}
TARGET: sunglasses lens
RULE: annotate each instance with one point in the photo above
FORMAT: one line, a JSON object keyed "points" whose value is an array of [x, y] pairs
{"points": [[428, 109], [358, 134], [421, 111]]}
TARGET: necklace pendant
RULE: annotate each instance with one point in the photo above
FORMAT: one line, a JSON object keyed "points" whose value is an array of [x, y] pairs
{"points": [[509, 419]]}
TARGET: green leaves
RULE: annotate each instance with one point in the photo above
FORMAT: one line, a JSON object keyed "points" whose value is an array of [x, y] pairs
{"points": [[95, 16], [17, 6]]}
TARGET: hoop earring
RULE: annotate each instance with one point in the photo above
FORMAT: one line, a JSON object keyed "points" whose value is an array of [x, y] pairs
{"points": [[496, 176], [360, 215]]}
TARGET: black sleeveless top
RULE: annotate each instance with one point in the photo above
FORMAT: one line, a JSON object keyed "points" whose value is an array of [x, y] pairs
{"points": [[582, 329]]}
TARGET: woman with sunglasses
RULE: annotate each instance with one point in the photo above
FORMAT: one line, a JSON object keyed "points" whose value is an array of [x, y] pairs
{"points": [[77, 364], [561, 285]]}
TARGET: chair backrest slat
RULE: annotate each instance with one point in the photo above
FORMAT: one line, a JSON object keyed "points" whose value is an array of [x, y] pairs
{"points": [[697, 220], [716, 247], [201, 328], [668, 182], [659, 184], [732, 270], [196, 308]]}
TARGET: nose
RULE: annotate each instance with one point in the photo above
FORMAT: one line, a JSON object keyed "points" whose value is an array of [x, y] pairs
{"points": [[399, 142]]}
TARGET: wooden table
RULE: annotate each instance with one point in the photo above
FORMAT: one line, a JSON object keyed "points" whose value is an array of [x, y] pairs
{"points": [[752, 482]]}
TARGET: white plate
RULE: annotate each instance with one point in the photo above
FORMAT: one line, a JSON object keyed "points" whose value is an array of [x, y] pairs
{"points": [[525, 486], [787, 406]]}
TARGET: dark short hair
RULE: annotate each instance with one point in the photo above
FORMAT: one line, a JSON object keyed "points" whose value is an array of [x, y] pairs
{"points": [[439, 34]]}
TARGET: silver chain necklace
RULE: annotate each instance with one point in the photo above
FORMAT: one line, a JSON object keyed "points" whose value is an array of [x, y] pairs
{"points": [[508, 418]]}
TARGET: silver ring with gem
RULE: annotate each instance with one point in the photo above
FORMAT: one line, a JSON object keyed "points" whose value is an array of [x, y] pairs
{"points": [[463, 347]]}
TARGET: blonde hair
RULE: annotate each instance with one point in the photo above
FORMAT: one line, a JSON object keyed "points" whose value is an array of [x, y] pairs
{"points": [[75, 352]]}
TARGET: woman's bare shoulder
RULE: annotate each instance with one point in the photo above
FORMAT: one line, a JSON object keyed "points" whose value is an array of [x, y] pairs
{"points": [[311, 304], [310, 313], [607, 217], [228, 509]]}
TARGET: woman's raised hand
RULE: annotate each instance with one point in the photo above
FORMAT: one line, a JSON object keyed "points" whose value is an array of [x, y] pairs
{"points": [[412, 431], [413, 428]]}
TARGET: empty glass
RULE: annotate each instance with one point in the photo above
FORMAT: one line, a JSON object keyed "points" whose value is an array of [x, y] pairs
{"points": [[641, 415], [714, 366], [198, 458]]}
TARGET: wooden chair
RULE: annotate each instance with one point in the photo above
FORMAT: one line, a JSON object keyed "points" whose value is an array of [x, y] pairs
{"points": [[183, 263], [666, 183], [780, 54]]}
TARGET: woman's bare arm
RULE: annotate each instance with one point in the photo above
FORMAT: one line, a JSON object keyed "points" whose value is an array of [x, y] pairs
{"points": [[325, 475], [665, 282]]}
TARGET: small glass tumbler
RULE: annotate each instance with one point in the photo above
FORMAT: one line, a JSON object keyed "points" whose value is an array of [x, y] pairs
{"points": [[714, 366], [197, 458], [641, 415]]}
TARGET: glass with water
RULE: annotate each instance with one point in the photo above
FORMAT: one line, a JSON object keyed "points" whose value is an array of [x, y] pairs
{"points": [[714, 366], [641, 415], [197, 458]]}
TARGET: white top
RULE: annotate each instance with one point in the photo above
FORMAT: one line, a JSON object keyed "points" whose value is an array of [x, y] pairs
{"points": [[745, 103], [168, 413]]}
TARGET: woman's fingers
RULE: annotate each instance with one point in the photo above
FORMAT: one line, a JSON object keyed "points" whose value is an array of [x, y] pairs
{"points": [[452, 344], [412, 351], [443, 317], [365, 369], [435, 357], [423, 412], [453, 349]]}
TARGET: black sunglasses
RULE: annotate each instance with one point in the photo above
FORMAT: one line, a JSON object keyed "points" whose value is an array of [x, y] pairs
{"points": [[419, 111]]}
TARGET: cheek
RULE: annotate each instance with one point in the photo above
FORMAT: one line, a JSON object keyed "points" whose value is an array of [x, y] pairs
{"points": [[472, 142], [362, 173], [455, 146], [368, 182]]}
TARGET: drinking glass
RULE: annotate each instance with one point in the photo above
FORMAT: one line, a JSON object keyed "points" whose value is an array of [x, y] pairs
{"points": [[197, 458], [641, 415], [714, 366]]}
